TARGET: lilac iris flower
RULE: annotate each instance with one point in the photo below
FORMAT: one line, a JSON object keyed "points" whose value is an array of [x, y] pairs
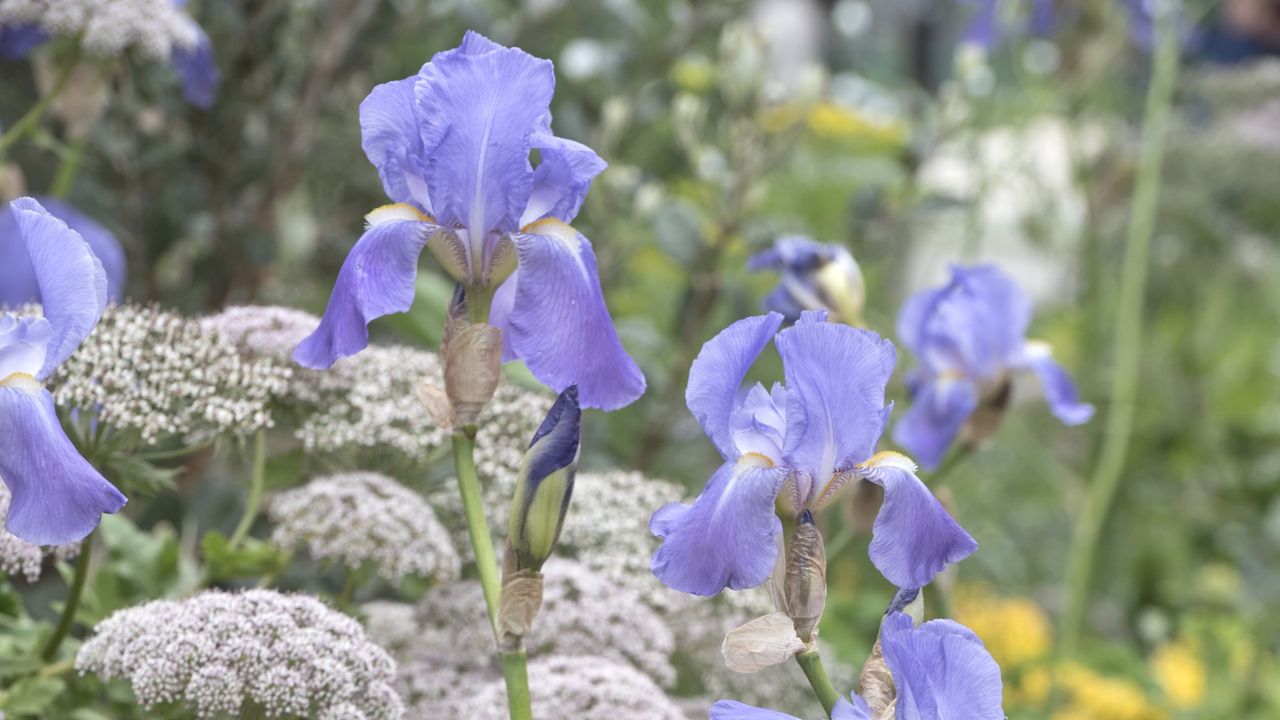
{"points": [[940, 670], [985, 28], [452, 146], [58, 497], [796, 447], [812, 276], [969, 337], [18, 281]]}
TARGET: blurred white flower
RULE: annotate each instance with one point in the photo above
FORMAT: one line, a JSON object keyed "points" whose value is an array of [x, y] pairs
{"points": [[109, 27], [582, 688]]}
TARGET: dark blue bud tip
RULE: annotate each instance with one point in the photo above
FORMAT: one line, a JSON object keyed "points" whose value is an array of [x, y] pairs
{"points": [[806, 517], [566, 403], [901, 599], [459, 300]]}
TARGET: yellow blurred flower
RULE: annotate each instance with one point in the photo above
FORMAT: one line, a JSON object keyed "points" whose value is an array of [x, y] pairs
{"points": [[1180, 673], [1015, 630], [1098, 697], [832, 121]]}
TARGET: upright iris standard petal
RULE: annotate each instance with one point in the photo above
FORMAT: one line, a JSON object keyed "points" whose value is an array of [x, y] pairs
{"points": [[559, 324], [1056, 384], [391, 140], [72, 283], [939, 409], [197, 71], [978, 325], [835, 377], [17, 276], [562, 179], [913, 537], [727, 538], [940, 670], [477, 107], [717, 374], [58, 497], [377, 279]]}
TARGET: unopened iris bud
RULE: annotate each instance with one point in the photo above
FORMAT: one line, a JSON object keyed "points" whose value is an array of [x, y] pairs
{"points": [[813, 276], [806, 578], [545, 484]]}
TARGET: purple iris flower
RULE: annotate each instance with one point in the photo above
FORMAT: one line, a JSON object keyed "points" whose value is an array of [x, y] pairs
{"points": [[812, 276], [985, 28], [969, 337], [452, 146], [18, 281], [940, 670], [795, 448], [58, 497]]}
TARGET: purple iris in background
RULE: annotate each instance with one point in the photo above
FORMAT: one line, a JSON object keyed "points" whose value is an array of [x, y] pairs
{"points": [[988, 29], [452, 146], [18, 281], [940, 670], [796, 447], [58, 497], [812, 276], [969, 338]]}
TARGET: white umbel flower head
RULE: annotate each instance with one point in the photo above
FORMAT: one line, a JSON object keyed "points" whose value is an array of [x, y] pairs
{"points": [[109, 27], [221, 653], [582, 688], [359, 518], [157, 373], [19, 557]]}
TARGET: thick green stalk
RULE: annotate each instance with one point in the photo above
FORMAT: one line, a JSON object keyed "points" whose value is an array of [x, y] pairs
{"points": [[256, 482], [477, 526], [72, 604], [517, 676], [1128, 331], [31, 118], [811, 663]]}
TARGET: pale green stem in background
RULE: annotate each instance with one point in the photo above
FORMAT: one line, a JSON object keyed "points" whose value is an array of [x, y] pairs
{"points": [[811, 663], [73, 602], [31, 119], [1128, 333], [68, 168], [256, 482]]}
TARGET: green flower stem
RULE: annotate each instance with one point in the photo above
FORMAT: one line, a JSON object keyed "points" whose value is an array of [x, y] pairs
{"points": [[69, 167], [1128, 333], [31, 119], [517, 677], [72, 603], [811, 663], [256, 482]]}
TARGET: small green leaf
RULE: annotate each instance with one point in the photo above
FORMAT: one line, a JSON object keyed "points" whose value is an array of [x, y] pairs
{"points": [[252, 558]]}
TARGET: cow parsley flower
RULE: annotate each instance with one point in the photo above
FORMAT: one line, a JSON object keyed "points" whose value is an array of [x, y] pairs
{"points": [[222, 653], [359, 518], [109, 27], [157, 373], [582, 688], [19, 557]]}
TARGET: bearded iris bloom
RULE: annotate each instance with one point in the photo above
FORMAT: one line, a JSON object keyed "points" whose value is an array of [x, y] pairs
{"points": [[452, 146], [795, 448], [940, 670], [18, 283], [58, 497], [969, 337], [812, 276]]}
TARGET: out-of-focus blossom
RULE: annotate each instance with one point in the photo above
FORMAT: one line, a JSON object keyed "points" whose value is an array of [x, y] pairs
{"points": [[1180, 673], [1015, 629], [18, 283], [796, 447], [221, 653], [452, 146], [582, 688], [940, 670], [812, 276], [159, 29], [990, 26], [969, 338], [56, 496]]}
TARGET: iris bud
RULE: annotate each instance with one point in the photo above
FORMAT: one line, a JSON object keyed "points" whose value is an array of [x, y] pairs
{"points": [[545, 484]]}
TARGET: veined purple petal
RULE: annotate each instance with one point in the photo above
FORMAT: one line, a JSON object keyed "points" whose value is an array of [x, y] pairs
{"points": [[18, 41], [392, 141], [72, 282], [851, 708], [977, 325], [377, 279], [940, 670], [58, 497], [727, 538], [17, 276], [197, 72], [1056, 384], [478, 106], [562, 179], [559, 325], [938, 410], [24, 343], [734, 710], [836, 377], [913, 537], [716, 376]]}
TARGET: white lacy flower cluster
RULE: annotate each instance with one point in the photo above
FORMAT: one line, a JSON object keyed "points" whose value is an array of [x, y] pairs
{"points": [[109, 27], [581, 688], [220, 653], [21, 557], [359, 518], [270, 331], [158, 373]]}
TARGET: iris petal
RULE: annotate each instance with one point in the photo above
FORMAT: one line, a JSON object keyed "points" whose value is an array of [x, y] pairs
{"points": [[734, 710], [197, 72], [17, 277], [559, 324], [727, 538], [562, 179], [377, 279], [851, 708], [58, 497], [717, 373], [72, 282], [390, 137], [939, 409], [17, 41], [940, 670], [913, 537], [1058, 389]]}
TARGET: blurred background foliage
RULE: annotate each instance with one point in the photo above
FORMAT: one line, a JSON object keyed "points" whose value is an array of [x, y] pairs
{"points": [[868, 123]]}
